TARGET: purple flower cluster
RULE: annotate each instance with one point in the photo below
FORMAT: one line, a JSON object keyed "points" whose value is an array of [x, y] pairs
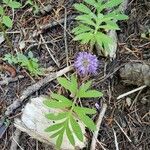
{"points": [[86, 63]]}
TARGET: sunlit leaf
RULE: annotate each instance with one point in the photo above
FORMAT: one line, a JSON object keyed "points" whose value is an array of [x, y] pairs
{"points": [[1, 10], [82, 8], [14, 4], [76, 128], [67, 84], [54, 127], [70, 135], [91, 2], [86, 120], [56, 104], [112, 3], [53, 116], [61, 98], [7, 21], [59, 140], [86, 19]]}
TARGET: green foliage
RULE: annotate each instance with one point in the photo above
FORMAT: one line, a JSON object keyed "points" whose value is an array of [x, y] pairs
{"points": [[12, 4], [34, 6], [93, 23], [4, 19], [30, 63], [65, 121]]}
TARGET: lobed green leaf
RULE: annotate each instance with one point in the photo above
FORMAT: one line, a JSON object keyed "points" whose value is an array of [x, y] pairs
{"points": [[14, 4], [54, 127], [84, 110], [86, 19], [76, 128], [69, 85], [56, 104], [70, 135], [91, 2], [112, 3], [7, 21], [1, 10], [61, 98], [59, 116], [86, 120], [59, 140], [82, 8]]}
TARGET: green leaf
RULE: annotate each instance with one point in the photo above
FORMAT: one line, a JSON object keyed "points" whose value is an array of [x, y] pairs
{"points": [[57, 133], [67, 84], [59, 116], [14, 4], [10, 58], [85, 110], [82, 8], [112, 3], [86, 19], [114, 16], [56, 104], [54, 127], [121, 17], [1, 10], [90, 94], [74, 84], [6, 1], [59, 140], [7, 21], [104, 37], [91, 2], [76, 129], [82, 36], [110, 26], [86, 120], [84, 87], [81, 29], [30, 2], [70, 135], [61, 98]]}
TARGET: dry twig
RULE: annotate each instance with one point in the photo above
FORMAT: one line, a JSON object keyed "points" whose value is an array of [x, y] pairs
{"points": [[116, 142], [132, 91], [98, 124], [123, 131]]}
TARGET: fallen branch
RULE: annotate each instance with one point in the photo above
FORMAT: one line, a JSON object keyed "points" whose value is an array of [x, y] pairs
{"points": [[98, 124], [35, 87]]}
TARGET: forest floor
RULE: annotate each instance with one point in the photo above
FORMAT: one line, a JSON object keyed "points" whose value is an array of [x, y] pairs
{"points": [[132, 113]]}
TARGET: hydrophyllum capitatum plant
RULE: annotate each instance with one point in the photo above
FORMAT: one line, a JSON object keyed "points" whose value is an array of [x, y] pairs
{"points": [[28, 62], [86, 63], [93, 23], [65, 121], [5, 19]]}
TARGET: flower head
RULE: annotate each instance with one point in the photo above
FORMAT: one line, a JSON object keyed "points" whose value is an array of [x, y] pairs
{"points": [[86, 63]]}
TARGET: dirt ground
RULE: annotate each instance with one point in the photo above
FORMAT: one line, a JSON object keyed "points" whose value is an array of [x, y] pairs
{"points": [[133, 118]]}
